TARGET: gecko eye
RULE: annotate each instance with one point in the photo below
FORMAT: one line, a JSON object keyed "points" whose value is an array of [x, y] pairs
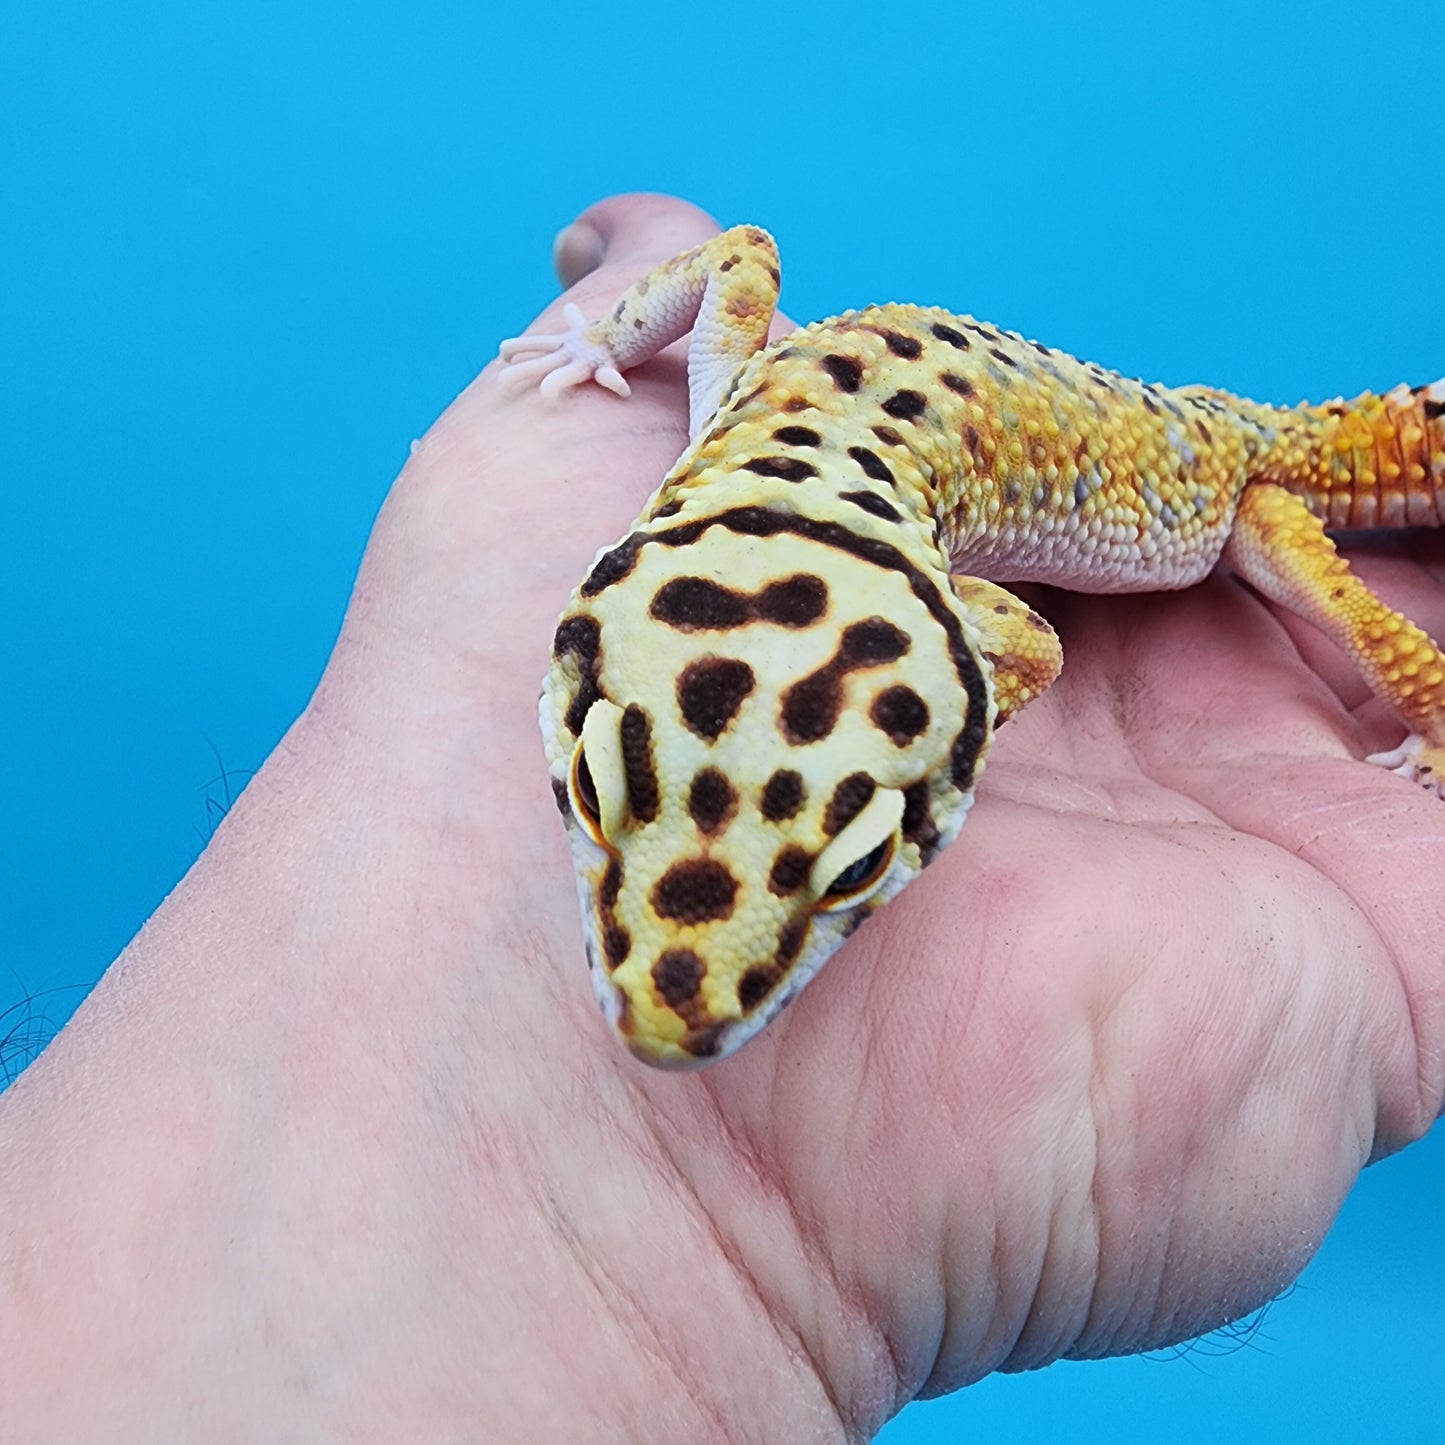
{"points": [[859, 878], [583, 793]]}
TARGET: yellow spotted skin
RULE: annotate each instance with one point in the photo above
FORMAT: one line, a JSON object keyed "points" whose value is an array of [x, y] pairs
{"points": [[769, 703]]}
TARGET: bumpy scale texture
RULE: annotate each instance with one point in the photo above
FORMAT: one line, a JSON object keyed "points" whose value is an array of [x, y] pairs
{"points": [[769, 703]]}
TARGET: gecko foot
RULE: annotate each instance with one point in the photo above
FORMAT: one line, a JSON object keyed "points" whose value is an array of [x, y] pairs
{"points": [[559, 360], [1419, 761]]}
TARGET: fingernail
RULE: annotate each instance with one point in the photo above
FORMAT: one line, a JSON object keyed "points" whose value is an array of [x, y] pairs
{"points": [[577, 251]]}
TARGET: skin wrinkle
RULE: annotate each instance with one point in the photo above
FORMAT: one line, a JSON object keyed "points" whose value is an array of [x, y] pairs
{"points": [[881, 995], [608, 1290], [1426, 1087], [789, 1337], [1093, 1323], [966, 983], [659, 1162], [860, 1295], [808, 1233]]}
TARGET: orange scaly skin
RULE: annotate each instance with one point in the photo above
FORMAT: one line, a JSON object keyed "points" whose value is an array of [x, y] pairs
{"points": [[768, 705]]}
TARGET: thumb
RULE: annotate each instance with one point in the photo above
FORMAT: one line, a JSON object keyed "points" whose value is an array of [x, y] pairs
{"points": [[635, 231]]}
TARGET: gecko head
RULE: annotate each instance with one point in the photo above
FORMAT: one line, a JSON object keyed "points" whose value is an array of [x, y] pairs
{"points": [[760, 728]]}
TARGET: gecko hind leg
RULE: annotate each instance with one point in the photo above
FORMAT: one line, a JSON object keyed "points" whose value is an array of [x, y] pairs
{"points": [[1279, 546], [1022, 647]]}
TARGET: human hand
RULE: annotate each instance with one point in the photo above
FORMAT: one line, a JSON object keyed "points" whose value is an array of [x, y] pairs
{"points": [[344, 1134]]}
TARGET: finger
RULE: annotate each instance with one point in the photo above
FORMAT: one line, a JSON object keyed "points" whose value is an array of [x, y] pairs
{"points": [[636, 231]]}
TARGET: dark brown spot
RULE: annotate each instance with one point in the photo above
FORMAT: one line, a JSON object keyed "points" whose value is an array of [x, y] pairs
{"points": [[756, 984], [901, 713], [582, 638], [616, 944], [1004, 357], [797, 436], [677, 976], [611, 887], [900, 345], [795, 403], [1149, 402], [956, 383], [887, 436], [668, 509], [872, 503], [810, 707], [710, 691], [776, 275], [791, 938], [789, 871], [849, 799], [954, 338], [578, 635], [1433, 409], [873, 641], [846, 371], [711, 801], [697, 890], [973, 440], [637, 768], [918, 823], [786, 469], [698, 603], [703, 1043], [562, 797], [797, 601], [906, 405], [963, 755], [783, 795], [873, 465], [613, 566]]}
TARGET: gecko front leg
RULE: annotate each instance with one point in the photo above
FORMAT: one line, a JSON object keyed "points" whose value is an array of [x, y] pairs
{"points": [[724, 291]]}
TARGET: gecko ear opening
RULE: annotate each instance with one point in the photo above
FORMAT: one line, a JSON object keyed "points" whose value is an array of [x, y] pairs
{"points": [[857, 861]]}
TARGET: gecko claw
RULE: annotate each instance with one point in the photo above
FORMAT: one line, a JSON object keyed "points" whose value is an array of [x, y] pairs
{"points": [[1420, 762]]}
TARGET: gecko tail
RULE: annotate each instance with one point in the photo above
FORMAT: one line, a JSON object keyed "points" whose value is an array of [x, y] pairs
{"points": [[1375, 461]]}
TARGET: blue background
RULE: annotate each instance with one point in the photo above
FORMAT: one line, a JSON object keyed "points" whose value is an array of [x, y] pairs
{"points": [[247, 253]]}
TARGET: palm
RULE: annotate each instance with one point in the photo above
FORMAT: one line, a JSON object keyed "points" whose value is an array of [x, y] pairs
{"points": [[1149, 1014]]}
